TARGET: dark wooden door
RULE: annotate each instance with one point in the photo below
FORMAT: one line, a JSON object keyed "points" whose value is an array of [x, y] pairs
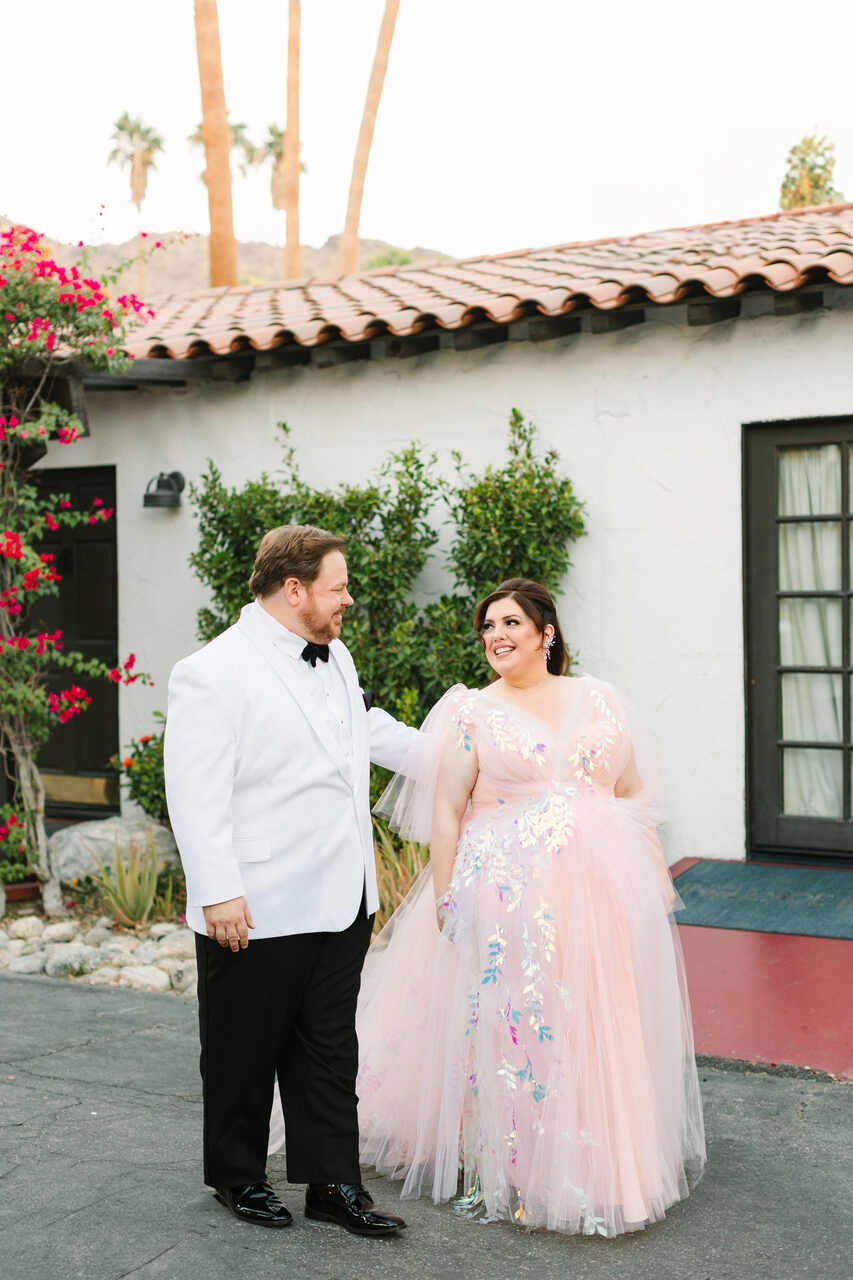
{"points": [[798, 529], [74, 761]]}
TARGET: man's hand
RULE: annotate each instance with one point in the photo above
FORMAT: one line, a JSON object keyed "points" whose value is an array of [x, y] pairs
{"points": [[228, 923]]}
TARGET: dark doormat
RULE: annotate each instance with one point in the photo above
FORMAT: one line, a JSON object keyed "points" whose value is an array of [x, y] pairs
{"points": [[816, 901]]}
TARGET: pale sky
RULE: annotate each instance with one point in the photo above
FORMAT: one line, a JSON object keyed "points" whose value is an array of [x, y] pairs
{"points": [[504, 124]]}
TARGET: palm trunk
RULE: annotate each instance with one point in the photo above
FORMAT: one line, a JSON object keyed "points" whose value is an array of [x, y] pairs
{"points": [[292, 247], [216, 136], [138, 183], [348, 261]]}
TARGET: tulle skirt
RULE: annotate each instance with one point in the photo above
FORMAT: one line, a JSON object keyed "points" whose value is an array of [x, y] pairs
{"points": [[541, 1042]]}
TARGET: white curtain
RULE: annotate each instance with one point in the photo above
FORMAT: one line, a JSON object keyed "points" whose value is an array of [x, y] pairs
{"points": [[810, 630]]}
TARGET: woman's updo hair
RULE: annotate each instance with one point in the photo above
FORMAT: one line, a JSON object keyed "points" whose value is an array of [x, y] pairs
{"points": [[538, 603]]}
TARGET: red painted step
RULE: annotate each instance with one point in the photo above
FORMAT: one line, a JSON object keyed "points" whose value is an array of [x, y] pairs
{"points": [[771, 997]]}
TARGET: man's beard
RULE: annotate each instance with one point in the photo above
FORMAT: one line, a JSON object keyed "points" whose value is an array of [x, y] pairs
{"points": [[322, 630]]}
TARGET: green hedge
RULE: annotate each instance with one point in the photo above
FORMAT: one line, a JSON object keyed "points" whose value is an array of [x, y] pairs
{"points": [[516, 520]]}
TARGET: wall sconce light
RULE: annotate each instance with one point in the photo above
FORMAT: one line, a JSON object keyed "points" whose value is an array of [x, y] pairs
{"points": [[168, 487]]}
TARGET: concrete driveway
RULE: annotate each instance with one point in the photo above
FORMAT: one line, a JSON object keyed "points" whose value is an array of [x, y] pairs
{"points": [[100, 1122]]}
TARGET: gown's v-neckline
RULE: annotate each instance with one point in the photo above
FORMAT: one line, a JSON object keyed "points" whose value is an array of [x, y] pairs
{"points": [[531, 715]]}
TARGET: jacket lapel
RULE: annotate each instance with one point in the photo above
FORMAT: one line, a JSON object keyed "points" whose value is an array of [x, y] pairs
{"points": [[284, 668], [343, 657]]}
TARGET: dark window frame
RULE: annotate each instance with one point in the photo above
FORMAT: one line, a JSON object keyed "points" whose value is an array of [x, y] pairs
{"points": [[768, 831]]}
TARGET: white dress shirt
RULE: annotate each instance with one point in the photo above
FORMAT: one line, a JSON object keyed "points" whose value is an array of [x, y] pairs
{"points": [[323, 685]]}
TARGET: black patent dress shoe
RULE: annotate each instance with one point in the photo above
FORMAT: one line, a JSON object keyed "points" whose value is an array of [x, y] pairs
{"points": [[351, 1207], [255, 1202]]}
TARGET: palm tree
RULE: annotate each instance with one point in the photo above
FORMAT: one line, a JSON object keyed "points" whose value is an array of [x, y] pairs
{"points": [[273, 148], [248, 154], [216, 136], [134, 147], [810, 176], [290, 152], [348, 261]]}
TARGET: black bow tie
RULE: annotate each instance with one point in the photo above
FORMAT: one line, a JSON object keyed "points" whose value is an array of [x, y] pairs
{"points": [[313, 651]]}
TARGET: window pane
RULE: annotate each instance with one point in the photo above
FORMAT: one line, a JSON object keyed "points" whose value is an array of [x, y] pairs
{"points": [[810, 633], [810, 481], [810, 557], [811, 785], [811, 708]]}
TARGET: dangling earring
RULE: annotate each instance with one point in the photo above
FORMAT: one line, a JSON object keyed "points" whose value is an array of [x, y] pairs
{"points": [[547, 646]]}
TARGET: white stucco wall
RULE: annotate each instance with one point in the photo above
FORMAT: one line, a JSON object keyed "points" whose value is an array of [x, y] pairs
{"points": [[648, 421]]}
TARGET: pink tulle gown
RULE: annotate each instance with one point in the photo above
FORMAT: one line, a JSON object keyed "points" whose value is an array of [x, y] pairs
{"points": [[539, 1048]]}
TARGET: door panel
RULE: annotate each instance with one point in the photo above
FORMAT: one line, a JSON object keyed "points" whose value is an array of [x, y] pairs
{"points": [[74, 760], [797, 532]]}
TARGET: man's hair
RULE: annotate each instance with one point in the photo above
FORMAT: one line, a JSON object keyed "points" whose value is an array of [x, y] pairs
{"points": [[291, 551]]}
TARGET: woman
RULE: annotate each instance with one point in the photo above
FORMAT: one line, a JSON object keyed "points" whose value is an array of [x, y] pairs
{"points": [[536, 1040]]}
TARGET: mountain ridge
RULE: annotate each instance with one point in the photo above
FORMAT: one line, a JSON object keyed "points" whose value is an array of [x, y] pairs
{"points": [[181, 266]]}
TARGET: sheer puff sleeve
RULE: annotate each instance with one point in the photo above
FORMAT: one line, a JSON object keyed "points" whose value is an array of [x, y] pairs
{"points": [[408, 801], [635, 796]]}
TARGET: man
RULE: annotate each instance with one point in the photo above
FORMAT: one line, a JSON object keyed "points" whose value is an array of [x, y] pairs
{"points": [[267, 755]]}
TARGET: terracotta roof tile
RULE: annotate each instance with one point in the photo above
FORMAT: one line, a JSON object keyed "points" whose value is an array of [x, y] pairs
{"points": [[782, 251]]}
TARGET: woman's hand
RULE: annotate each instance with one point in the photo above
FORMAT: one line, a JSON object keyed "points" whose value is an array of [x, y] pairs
{"points": [[442, 906]]}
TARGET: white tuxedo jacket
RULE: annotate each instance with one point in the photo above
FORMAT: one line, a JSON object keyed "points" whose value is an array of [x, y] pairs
{"points": [[263, 801]]}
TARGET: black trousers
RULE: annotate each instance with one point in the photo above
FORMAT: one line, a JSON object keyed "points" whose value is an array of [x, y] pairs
{"points": [[285, 1007]]}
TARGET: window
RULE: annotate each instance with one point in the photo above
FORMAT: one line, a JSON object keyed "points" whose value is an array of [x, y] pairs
{"points": [[799, 525]]}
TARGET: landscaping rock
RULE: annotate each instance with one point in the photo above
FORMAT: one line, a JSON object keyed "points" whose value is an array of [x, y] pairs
{"points": [[146, 953], [5, 958], [72, 850], [26, 927], [179, 945], [62, 931], [106, 977], [122, 941], [96, 936], [145, 978], [66, 959], [117, 957], [104, 922], [15, 947], [118, 951], [4, 937], [29, 945], [182, 973], [162, 928], [33, 963]]}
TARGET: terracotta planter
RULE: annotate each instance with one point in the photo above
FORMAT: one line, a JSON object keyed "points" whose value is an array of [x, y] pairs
{"points": [[24, 889]]}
